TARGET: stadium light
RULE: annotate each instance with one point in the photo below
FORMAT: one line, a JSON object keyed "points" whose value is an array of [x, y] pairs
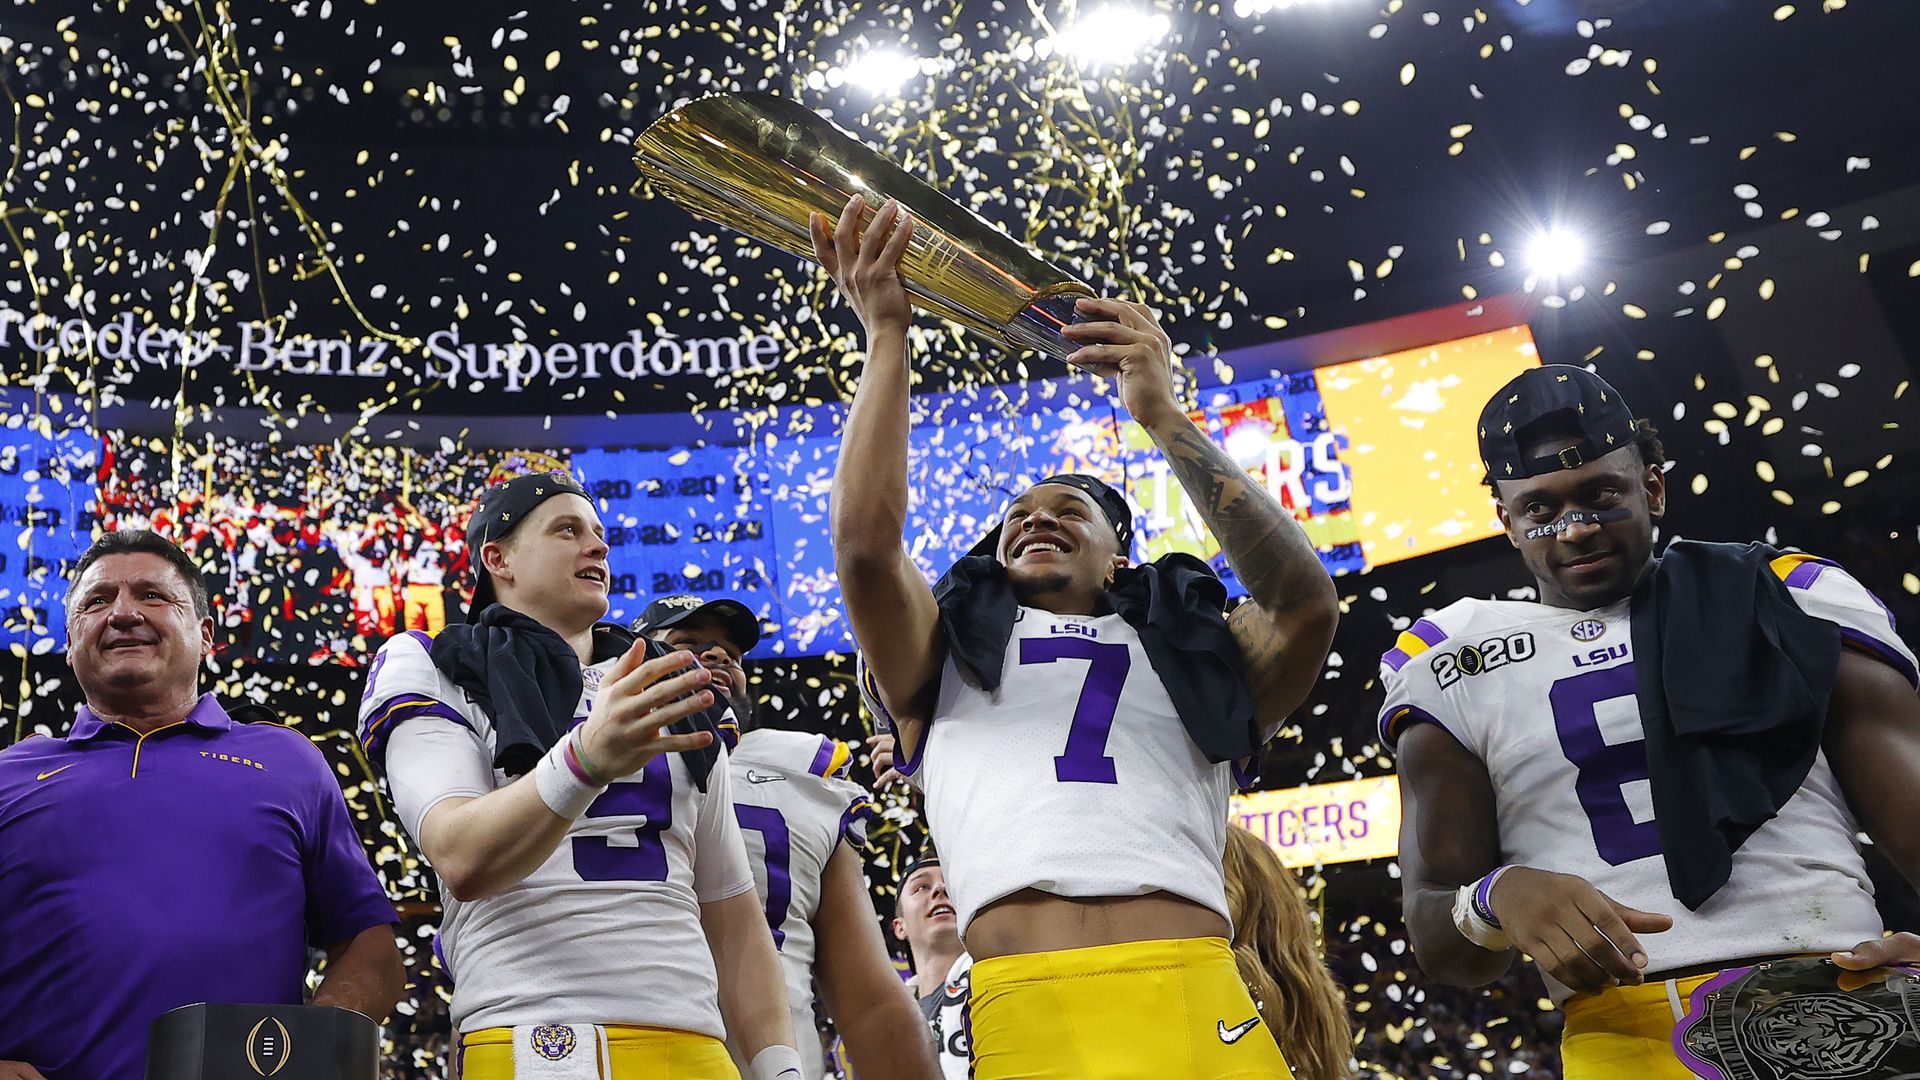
{"points": [[1112, 35], [1556, 253], [1247, 9], [882, 71]]}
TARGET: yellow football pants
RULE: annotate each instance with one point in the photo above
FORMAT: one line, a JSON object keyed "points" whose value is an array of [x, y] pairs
{"points": [[1626, 1033], [1149, 1010], [633, 1053]]}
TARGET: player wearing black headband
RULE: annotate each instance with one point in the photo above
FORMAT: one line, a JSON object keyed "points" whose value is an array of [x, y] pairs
{"points": [[1071, 718], [566, 781], [1654, 776]]}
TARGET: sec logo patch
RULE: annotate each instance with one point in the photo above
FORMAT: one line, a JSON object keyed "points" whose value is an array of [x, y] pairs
{"points": [[1589, 630]]}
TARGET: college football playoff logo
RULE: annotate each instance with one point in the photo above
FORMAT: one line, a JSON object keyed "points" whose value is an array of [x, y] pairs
{"points": [[269, 1046]]}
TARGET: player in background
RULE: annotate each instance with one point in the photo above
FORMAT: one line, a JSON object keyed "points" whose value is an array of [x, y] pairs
{"points": [[567, 784], [804, 823], [1281, 960], [923, 917], [1549, 775], [1051, 684]]}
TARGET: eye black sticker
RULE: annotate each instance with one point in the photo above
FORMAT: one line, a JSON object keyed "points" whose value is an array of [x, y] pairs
{"points": [[1577, 517]]}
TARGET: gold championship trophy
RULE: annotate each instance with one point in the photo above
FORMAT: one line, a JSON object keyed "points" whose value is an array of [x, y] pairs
{"points": [[762, 165]]}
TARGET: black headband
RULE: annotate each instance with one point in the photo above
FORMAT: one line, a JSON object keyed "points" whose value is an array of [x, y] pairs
{"points": [[502, 508], [1104, 495]]}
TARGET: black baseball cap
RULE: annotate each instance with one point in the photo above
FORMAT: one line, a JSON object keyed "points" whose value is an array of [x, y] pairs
{"points": [[740, 622], [1573, 399], [1104, 495], [502, 508]]}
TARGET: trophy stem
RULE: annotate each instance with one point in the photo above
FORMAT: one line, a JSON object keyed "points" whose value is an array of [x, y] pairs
{"points": [[1038, 325]]}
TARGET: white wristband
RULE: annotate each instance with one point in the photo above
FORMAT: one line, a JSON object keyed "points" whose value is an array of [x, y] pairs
{"points": [[1472, 926], [776, 1063], [563, 791]]}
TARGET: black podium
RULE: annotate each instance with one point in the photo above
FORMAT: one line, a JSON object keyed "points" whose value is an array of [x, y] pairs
{"points": [[287, 1042]]}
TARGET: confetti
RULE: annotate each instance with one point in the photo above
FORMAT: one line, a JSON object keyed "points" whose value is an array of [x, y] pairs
{"points": [[306, 277]]}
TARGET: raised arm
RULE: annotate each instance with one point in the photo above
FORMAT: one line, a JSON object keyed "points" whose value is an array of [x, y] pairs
{"points": [[874, 1011], [1285, 633], [889, 605]]}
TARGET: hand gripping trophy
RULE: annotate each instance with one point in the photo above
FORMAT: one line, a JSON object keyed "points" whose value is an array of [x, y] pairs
{"points": [[762, 165]]}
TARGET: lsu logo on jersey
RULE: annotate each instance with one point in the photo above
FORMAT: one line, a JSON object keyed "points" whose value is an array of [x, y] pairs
{"points": [[1602, 655], [1076, 629], [1490, 655]]}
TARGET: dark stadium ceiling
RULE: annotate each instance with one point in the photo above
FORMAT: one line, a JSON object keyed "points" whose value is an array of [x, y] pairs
{"points": [[1275, 173]]}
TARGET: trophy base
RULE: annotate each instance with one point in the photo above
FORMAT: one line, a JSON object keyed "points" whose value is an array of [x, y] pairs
{"points": [[1790, 1020], [286, 1042]]}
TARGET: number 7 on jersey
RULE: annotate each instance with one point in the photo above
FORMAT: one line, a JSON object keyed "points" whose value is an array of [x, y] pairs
{"points": [[1085, 759]]}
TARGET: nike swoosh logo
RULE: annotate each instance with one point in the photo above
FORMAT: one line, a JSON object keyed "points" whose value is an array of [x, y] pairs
{"points": [[1231, 1035], [61, 769], [761, 778]]}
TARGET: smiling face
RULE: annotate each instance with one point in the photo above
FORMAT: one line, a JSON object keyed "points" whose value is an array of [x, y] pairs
{"points": [[1585, 566], [1058, 547], [553, 567], [925, 918], [133, 630], [706, 637]]}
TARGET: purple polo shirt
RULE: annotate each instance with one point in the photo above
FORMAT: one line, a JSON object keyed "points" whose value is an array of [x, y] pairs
{"points": [[141, 874]]}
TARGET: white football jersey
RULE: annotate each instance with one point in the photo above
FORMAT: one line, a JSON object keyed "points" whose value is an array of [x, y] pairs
{"points": [[1075, 777], [795, 804], [607, 930], [1544, 697], [946, 1013]]}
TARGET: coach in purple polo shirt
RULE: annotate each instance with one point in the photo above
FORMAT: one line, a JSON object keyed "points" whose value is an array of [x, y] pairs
{"points": [[162, 853]]}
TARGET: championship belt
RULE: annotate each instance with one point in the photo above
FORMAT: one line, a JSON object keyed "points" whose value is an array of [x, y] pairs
{"points": [[762, 165], [1791, 1020], [239, 1042]]}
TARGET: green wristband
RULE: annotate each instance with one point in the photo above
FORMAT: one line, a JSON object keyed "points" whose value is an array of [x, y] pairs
{"points": [[577, 743]]}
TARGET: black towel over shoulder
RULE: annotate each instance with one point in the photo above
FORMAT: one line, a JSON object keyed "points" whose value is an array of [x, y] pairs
{"points": [[1733, 681], [528, 680], [1176, 604]]}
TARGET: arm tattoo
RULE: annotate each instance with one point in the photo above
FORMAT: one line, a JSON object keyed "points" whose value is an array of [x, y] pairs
{"points": [[1264, 545]]}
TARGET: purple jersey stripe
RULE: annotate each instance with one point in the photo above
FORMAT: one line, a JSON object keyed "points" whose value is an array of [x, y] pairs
{"points": [[446, 969], [902, 764], [1804, 575], [1249, 775], [425, 639], [1396, 718], [1873, 646], [1427, 632], [1395, 658], [1892, 623], [375, 740], [854, 820], [823, 757]]}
